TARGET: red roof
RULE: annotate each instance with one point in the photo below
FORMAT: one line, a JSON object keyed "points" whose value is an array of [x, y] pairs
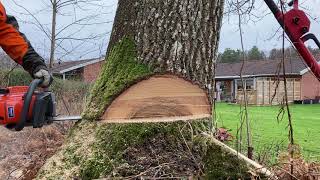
{"points": [[60, 68]]}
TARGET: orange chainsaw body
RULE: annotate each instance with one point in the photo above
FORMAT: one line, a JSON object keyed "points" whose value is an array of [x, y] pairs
{"points": [[11, 104], [22, 106]]}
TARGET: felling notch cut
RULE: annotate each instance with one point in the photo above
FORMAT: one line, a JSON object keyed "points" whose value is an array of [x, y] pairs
{"points": [[161, 98]]}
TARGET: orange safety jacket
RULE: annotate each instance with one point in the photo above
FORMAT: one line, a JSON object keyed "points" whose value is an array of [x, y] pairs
{"points": [[16, 45]]}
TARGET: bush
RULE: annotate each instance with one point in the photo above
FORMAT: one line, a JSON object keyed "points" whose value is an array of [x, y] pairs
{"points": [[60, 87], [70, 93], [19, 77], [16, 77]]}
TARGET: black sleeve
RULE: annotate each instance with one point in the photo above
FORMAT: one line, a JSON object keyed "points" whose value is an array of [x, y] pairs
{"points": [[32, 61]]}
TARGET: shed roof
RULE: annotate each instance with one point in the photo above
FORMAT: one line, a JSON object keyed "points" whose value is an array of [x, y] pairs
{"points": [[63, 67], [260, 68]]}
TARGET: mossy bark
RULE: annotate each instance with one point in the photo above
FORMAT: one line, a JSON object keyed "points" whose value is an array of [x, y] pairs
{"points": [[149, 37], [119, 72], [96, 150]]}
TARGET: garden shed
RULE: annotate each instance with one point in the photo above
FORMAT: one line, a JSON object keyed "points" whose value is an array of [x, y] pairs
{"points": [[264, 83]]}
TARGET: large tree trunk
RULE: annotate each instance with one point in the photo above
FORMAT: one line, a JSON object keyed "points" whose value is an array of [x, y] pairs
{"points": [[178, 36], [173, 38]]}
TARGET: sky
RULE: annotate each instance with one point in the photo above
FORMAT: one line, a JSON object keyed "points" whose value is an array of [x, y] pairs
{"points": [[260, 30], [84, 39]]}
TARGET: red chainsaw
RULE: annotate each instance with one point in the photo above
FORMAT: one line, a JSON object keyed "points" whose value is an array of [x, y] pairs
{"points": [[296, 24], [22, 106]]}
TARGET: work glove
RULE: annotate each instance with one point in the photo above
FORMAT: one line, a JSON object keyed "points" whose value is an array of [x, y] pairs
{"points": [[45, 76]]}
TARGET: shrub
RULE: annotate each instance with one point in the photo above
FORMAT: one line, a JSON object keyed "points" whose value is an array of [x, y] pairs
{"points": [[16, 77], [70, 93], [19, 77]]}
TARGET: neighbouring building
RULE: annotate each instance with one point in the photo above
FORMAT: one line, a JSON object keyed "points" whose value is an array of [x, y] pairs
{"points": [[86, 70], [264, 84]]}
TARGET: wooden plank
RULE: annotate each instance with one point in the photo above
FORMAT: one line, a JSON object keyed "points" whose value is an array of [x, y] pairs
{"points": [[294, 90], [263, 92], [269, 90], [251, 95]]}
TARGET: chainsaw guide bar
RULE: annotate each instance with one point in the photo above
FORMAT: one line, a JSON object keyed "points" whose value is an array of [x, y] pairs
{"points": [[67, 118]]}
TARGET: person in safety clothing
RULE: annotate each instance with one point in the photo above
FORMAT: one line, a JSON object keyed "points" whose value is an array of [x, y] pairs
{"points": [[17, 46]]}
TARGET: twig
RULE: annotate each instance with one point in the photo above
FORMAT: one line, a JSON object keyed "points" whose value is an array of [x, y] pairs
{"points": [[244, 89], [291, 139], [190, 152], [150, 169]]}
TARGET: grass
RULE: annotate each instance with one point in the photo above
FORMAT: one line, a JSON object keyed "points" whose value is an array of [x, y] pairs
{"points": [[270, 136]]}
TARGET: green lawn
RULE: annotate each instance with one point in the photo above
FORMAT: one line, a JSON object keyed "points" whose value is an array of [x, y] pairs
{"points": [[272, 137]]}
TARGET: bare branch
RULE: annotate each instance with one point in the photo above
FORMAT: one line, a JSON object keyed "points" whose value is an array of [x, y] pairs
{"points": [[38, 23], [70, 37]]}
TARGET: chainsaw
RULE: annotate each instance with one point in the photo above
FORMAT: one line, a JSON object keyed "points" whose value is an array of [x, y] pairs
{"points": [[22, 106], [297, 24]]}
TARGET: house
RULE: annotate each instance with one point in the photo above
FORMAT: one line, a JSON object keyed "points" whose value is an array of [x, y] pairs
{"points": [[87, 70], [264, 84]]}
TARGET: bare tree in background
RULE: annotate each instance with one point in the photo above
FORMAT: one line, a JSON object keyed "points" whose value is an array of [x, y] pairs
{"points": [[243, 10], [84, 15]]}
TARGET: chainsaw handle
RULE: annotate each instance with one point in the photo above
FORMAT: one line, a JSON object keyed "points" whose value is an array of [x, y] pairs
{"points": [[272, 6], [309, 36], [26, 104], [291, 3]]}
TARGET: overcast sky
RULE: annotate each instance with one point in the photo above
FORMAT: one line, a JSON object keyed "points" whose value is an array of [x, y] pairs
{"points": [[260, 32], [256, 32], [80, 41]]}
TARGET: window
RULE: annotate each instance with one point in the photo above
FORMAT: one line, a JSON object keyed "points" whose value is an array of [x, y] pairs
{"points": [[249, 84], [239, 84]]}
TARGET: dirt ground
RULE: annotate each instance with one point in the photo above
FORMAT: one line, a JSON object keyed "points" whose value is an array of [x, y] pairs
{"points": [[23, 153]]}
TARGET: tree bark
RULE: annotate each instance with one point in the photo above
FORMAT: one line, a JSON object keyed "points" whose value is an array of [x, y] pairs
{"points": [[53, 33], [150, 37], [177, 36]]}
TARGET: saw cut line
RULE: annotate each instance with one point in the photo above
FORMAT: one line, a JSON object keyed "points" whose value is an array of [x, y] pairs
{"points": [[157, 119]]}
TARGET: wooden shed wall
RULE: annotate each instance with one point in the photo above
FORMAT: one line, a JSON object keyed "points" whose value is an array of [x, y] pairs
{"points": [[271, 91], [251, 95]]}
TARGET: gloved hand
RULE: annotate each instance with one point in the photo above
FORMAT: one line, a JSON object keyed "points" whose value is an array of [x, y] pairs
{"points": [[45, 75]]}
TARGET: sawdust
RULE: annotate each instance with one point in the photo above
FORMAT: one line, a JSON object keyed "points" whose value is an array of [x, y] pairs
{"points": [[159, 98], [157, 157], [81, 144], [23, 153]]}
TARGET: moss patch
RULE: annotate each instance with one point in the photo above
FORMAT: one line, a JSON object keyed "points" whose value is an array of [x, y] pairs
{"points": [[222, 165], [142, 150], [77, 149], [119, 72]]}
